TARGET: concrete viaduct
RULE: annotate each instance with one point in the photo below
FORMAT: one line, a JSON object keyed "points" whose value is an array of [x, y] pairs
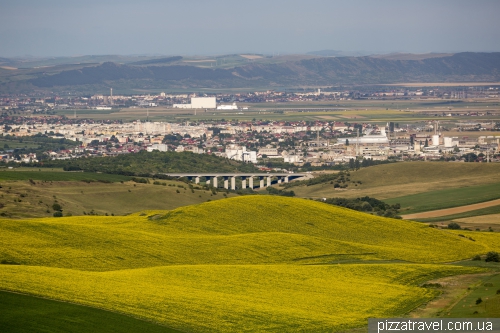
{"points": [[212, 178]]}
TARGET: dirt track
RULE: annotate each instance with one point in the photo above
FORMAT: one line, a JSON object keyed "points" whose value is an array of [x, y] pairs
{"points": [[451, 211]]}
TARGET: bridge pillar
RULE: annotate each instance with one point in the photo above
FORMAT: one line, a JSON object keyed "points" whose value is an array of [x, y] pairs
{"points": [[197, 180], [261, 185], [279, 180], [215, 183], [250, 182], [243, 182], [268, 181], [233, 183], [287, 179], [226, 182]]}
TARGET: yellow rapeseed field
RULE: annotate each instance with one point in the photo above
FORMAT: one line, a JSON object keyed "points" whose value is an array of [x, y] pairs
{"points": [[235, 298], [244, 230], [254, 263]]}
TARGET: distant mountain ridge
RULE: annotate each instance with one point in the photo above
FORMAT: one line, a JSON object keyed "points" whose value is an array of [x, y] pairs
{"points": [[316, 71]]}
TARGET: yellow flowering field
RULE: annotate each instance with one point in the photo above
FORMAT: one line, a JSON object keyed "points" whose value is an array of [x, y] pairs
{"points": [[235, 298], [243, 230], [253, 263]]}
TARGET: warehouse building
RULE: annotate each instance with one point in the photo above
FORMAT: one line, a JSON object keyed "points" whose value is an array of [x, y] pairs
{"points": [[199, 103]]}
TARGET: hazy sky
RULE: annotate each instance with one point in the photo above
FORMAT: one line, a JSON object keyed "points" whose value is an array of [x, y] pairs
{"points": [[188, 27]]}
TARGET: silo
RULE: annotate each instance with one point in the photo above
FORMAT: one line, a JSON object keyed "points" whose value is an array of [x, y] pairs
{"points": [[448, 142], [435, 140]]}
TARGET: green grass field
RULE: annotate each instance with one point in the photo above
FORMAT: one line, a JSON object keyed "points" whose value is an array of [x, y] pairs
{"points": [[490, 213], [486, 289], [448, 198], [399, 182], [380, 111], [58, 175], [50, 316], [257, 263]]}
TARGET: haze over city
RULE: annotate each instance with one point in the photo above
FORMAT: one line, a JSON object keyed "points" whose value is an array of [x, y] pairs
{"points": [[67, 28]]}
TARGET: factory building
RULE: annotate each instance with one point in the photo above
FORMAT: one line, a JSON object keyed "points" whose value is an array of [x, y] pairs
{"points": [[199, 103], [228, 107], [240, 153], [367, 139]]}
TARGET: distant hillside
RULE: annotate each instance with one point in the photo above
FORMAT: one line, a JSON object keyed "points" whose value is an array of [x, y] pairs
{"points": [[156, 61], [335, 53], [166, 72]]}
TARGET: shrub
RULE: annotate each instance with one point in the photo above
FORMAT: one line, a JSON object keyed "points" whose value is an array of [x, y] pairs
{"points": [[477, 257], [492, 256], [479, 301], [56, 207], [454, 225], [58, 214]]}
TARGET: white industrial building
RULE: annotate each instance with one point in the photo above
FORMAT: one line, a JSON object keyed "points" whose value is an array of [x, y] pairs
{"points": [[199, 103], [450, 141], [239, 153], [269, 152], [157, 146], [367, 139], [228, 107]]}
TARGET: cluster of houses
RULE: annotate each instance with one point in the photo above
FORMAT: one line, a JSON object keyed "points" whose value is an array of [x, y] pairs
{"points": [[299, 142]]}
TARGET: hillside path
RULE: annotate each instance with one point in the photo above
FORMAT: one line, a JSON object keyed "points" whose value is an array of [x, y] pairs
{"points": [[451, 211]]}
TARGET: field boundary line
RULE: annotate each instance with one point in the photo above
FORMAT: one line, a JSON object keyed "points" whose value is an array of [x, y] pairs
{"points": [[452, 211]]}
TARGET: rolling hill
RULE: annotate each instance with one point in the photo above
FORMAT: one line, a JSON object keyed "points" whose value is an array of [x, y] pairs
{"points": [[257, 263], [241, 230]]}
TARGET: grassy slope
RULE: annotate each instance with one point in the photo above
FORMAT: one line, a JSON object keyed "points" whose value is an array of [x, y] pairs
{"points": [[61, 317], [58, 175], [236, 263], [486, 289], [402, 179], [448, 198], [77, 197]]}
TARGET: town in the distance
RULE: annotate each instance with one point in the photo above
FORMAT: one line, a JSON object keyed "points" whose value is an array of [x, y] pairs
{"points": [[446, 132]]}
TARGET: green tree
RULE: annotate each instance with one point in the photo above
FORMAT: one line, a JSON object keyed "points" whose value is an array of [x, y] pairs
{"points": [[351, 164], [356, 164]]}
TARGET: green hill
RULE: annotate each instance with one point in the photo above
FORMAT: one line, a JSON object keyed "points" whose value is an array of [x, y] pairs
{"points": [[150, 163], [401, 179]]}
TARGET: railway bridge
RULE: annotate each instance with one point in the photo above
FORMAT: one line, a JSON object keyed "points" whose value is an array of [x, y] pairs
{"points": [[264, 178]]}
